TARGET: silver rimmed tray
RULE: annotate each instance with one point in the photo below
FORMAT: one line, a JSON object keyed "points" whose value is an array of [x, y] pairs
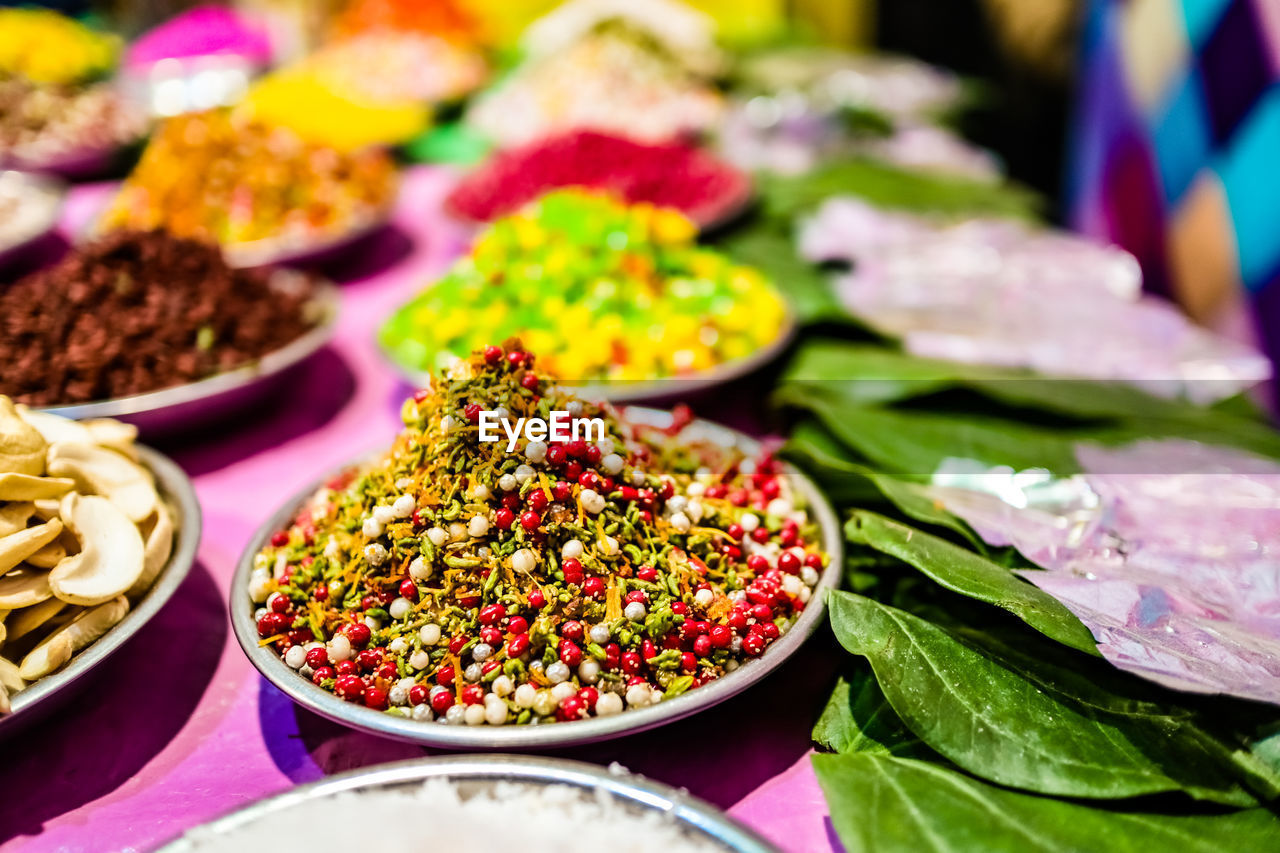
{"points": [[40, 201], [550, 735], [651, 390], [474, 774], [48, 693], [183, 406]]}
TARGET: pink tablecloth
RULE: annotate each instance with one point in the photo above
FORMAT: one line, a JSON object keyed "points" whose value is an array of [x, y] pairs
{"points": [[177, 728]]}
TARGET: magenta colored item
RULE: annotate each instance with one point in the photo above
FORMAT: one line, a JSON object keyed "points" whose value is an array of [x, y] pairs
{"points": [[178, 727], [202, 31]]}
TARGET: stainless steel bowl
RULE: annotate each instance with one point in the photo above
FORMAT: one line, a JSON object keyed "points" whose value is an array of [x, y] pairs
{"points": [[41, 201], [184, 406], [544, 736], [474, 774], [655, 390], [49, 692]]}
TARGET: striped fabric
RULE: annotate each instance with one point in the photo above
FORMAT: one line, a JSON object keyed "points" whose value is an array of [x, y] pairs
{"points": [[1176, 152]]}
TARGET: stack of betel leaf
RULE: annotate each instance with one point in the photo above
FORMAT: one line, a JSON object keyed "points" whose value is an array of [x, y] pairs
{"points": [[1060, 609]]}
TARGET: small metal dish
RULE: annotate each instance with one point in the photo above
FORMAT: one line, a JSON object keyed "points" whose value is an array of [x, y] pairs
{"points": [[48, 693], [475, 774], [654, 390], [39, 200], [530, 737], [183, 406]]}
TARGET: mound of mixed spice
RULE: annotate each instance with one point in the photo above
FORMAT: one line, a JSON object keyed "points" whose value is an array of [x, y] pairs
{"points": [[453, 580], [656, 304]]}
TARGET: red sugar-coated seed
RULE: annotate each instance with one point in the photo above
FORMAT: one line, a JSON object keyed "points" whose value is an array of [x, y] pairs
{"points": [[530, 520], [471, 411], [348, 687], [517, 625], [456, 643], [612, 655], [517, 645], [648, 650], [489, 666], [789, 563], [637, 595], [647, 573], [721, 636], [770, 631], [409, 589], [571, 566], [322, 673], [273, 623], [445, 676], [576, 448], [753, 644], [472, 694], [631, 662], [491, 635], [318, 657], [737, 620], [788, 537], [593, 587], [679, 608], [761, 535], [537, 599], [588, 480], [572, 471], [358, 633], [529, 381], [635, 679], [375, 698], [732, 552], [571, 708], [368, 659], [592, 455], [468, 601], [420, 396], [418, 694], [628, 494], [572, 630], [441, 701], [590, 695], [280, 538], [671, 641], [515, 358], [538, 500], [607, 485], [762, 613], [346, 667], [561, 491], [556, 456], [504, 518], [320, 593], [491, 615], [735, 532], [646, 516], [492, 354], [388, 671], [570, 653], [688, 661], [718, 491], [813, 561], [702, 645], [298, 636], [668, 488], [511, 501]]}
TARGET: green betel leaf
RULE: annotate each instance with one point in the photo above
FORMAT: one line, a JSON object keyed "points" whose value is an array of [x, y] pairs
{"points": [[984, 715], [882, 803], [858, 718], [961, 570]]}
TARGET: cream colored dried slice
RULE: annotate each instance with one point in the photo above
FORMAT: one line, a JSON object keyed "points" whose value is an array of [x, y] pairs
{"points": [[48, 556], [55, 427], [5, 705], [117, 435], [14, 516], [111, 555], [4, 630], [24, 587], [99, 471], [9, 676], [22, 446], [23, 622], [16, 547], [25, 487], [58, 648], [158, 532]]}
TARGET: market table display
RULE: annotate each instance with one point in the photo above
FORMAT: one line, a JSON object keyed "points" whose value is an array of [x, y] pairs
{"points": [[179, 728]]}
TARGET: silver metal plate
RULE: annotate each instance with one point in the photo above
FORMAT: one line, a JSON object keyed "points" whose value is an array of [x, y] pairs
{"points": [[529, 737], [476, 773], [46, 694]]}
